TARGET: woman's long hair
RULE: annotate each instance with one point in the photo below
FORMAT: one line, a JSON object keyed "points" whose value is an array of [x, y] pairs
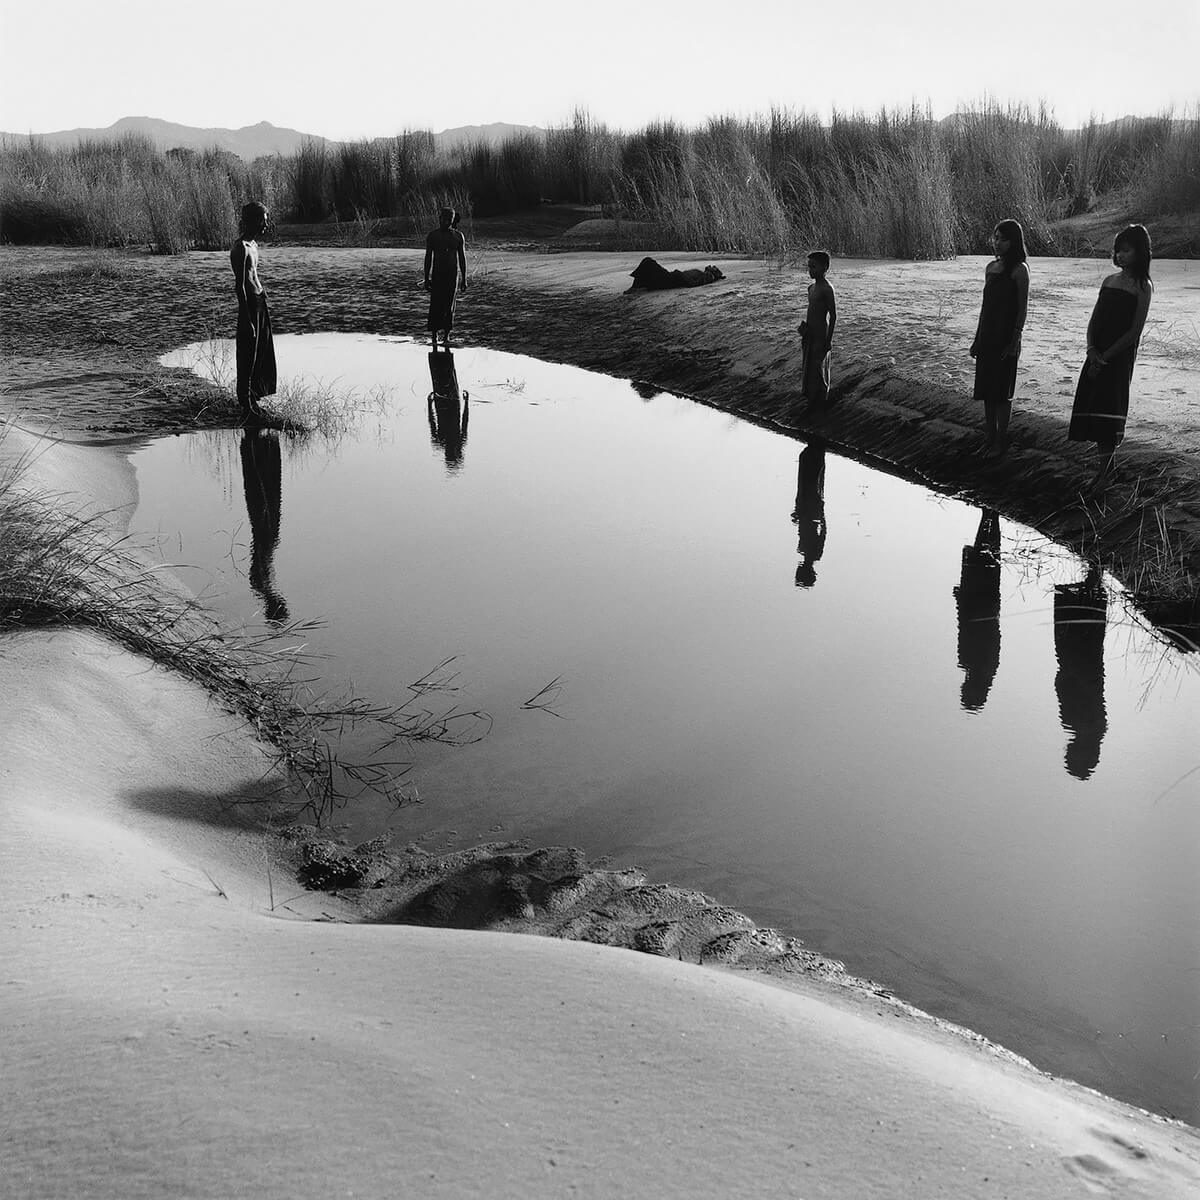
{"points": [[1137, 238], [1012, 233]]}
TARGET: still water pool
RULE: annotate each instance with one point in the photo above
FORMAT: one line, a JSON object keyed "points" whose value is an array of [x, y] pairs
{"points": [[919, 737]]}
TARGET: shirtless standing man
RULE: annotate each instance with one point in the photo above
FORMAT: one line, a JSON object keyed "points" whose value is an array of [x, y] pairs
{"points": [[816, 331], [255, 346], [445, 261]]}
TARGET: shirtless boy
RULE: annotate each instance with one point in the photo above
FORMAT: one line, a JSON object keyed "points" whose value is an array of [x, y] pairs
{"points": [[816, 331], [255, 346]]}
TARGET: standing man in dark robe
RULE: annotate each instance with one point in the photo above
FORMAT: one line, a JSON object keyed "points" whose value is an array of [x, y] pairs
{"points": [[445, 263], [255, 344]]}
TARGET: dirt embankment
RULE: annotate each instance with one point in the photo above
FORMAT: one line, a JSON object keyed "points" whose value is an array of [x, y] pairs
{"points": [[79, 346]]}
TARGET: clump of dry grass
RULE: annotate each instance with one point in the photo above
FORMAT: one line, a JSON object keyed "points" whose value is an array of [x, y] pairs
{"points": [[97, 267], [1159, 571], [206, 391], [1177, 340], [324, 409]]}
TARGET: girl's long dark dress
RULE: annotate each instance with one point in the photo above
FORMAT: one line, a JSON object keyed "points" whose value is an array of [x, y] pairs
{"points": [[995, 375], [1102, 401]]}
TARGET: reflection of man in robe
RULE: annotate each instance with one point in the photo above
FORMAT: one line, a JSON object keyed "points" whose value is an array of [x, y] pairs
{"points": [[978, 600], [809, 513], [262, 475], [449, 409], [1080, 610]]}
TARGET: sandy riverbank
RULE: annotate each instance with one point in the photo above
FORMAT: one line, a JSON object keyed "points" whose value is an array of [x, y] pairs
{"points": [[168, 1033], [180, 1030]]}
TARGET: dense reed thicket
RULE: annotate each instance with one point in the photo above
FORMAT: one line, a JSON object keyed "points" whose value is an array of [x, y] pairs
{"points": [[897, 184], [126, 192]]}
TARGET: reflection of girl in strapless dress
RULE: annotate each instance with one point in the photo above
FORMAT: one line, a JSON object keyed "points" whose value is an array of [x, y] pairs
{"points": [[1102, 394]]}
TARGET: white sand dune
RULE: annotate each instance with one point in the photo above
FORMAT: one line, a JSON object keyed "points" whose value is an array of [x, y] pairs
{"points": [[170, 1033]]}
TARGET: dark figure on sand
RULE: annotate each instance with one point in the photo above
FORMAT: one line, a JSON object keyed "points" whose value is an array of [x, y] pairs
{"points": [[262, 476], [809, 513], [445, 265], [651, 276], [816, 332], [1080, 610], [978, 599], [1102, 395], [255, 346], [997, 344], [449, 409]]}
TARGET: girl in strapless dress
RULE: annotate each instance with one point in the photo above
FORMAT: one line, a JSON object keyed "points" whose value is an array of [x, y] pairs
{"points": [[997, 344], [1102, 394]]}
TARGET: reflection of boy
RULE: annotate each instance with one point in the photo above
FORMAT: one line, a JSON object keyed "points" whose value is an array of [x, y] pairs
{"points": [[816, 331], [809, 513]]}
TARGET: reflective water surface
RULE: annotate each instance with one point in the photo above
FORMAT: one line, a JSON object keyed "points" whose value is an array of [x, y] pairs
{"points": [[912, 733]]}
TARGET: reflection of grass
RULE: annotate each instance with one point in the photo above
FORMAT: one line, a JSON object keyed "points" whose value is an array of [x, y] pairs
{"points": [[1156, 565], [60, 568], [1158, 592], [515, 386], [546, 697]]}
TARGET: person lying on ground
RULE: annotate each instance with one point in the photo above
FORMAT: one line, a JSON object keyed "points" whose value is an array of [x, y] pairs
{"points": [[651, 276]]}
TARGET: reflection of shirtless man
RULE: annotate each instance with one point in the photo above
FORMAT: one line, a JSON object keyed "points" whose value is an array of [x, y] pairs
{"points": [[816, 331], [255, 346]]}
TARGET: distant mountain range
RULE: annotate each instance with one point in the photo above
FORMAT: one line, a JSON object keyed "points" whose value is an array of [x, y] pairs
{"points": [[248, 142]]}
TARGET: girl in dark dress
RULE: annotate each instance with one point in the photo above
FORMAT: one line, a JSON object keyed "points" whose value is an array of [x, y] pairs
{"points": [[1102, 395], [997, 344]]}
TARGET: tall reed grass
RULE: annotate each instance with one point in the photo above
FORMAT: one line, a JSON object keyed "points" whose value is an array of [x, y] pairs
{"points": [[124, 193], [896, 183]]}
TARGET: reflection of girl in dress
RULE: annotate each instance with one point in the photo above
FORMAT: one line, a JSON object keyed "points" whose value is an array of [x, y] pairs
{"points": [[997, 344], [1102, 395]]}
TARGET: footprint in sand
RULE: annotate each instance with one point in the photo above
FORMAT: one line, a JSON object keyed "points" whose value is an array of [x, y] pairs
{"points": [[1107, 1172]]}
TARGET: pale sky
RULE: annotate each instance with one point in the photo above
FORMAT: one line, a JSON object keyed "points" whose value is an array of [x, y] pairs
{"points": [[355, 68]]}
